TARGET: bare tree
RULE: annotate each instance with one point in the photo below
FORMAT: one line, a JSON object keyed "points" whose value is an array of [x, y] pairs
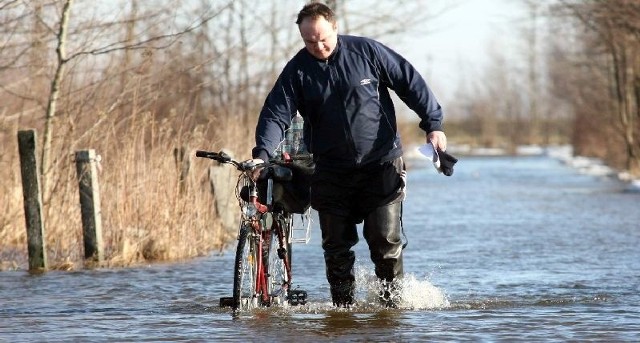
{"points": [[52, 102], [531, 35], [612, 36]]}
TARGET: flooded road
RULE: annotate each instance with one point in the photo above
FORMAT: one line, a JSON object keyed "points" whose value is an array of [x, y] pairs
{"points": [[506, 249]]}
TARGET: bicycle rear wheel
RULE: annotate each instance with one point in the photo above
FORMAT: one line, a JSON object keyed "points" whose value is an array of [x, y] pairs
{"points": [[245, 270]]}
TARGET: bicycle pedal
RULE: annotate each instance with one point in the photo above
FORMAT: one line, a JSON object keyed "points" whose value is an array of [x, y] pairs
{"points": [[297, 297], [226, 302]]}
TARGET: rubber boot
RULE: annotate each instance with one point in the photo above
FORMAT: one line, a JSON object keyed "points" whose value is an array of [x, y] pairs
{"points": [[339, 235], [390, 293], [383, 232]]}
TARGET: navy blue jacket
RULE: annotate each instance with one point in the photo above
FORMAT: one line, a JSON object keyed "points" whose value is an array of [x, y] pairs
{"points": [[349, 118]]}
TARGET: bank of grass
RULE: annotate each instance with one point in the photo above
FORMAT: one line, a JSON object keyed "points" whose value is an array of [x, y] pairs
{"points": [[147, 213]]}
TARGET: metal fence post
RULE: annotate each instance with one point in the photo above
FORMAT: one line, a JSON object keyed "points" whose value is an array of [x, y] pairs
{"points": [[32, 200], [86, 168]]}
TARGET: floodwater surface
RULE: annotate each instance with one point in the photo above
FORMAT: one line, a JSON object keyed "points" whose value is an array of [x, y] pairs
{"points": [[506, 249]]}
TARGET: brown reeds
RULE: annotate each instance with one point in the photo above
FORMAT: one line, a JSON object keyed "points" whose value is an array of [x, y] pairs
{"points": [[147, 214], [134, 107]]}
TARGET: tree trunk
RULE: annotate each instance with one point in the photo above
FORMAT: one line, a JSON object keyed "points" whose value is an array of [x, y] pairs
{"points": [[53, 97]]}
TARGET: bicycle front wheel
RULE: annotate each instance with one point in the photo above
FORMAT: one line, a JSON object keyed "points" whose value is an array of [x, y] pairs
{"points": [[279, 276], [245, 270]]}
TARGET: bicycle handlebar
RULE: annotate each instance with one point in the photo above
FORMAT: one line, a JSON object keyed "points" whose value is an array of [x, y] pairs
{"points": [[244, 166], [276, 170], [249, 165], [223, 157]]}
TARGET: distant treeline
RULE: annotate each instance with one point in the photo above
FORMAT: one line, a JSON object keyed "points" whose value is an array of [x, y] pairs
{"points": [[578, 82]]}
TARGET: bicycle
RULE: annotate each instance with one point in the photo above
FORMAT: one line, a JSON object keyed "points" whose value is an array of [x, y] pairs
{"points": [[262, 268]]}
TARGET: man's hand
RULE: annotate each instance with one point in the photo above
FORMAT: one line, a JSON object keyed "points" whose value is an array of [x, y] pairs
{"points": [[438, 139], [255, 172], [446, 161]]}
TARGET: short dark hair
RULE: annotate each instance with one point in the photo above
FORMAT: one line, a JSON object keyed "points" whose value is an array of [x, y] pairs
{"points": [[314, 10]]}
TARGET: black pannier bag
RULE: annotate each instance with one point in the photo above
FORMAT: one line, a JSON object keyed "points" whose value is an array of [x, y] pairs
{"points": [[290, 193]]}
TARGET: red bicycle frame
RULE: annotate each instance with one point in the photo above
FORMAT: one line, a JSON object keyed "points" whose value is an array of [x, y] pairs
{"points": [[265, 236]]}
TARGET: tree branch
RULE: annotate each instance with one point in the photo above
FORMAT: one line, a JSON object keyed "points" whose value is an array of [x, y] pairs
{"points": [[143, 44], [7, 4]]}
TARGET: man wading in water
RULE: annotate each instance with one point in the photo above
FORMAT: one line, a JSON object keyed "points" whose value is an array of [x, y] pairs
{"points": [[340, 86]]}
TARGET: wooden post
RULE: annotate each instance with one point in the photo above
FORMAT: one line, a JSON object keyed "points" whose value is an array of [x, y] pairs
{"points": [[222, 180], [86, 168], [183, 163], [32, 200]]}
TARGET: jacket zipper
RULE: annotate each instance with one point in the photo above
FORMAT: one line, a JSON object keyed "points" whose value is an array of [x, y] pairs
{"points": [[347, 127]]}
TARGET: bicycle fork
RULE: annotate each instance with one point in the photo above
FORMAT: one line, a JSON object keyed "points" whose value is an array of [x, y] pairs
{"points": [[261, 281], [263, 269]]}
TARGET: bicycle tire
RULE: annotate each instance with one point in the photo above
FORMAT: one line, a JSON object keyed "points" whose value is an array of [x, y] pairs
{"points": [[245, 269], [279, 276]]}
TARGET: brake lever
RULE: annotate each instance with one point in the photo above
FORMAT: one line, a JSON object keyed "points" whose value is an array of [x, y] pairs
{"points": [[250, 165], [223, 157]]}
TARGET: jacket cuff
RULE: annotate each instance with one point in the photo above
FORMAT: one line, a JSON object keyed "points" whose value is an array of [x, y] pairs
{"points": [[260, 153], [430, 126]]}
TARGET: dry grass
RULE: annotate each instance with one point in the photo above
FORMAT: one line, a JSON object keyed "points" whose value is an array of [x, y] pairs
{"points": [[134, 118], [147, 214]]}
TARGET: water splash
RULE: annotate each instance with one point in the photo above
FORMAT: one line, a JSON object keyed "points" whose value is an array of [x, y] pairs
{"points": [[414, 293]]}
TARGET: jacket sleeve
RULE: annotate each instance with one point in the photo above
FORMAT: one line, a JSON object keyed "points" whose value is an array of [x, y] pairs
{"points": [[275, 116], [408, 84]]}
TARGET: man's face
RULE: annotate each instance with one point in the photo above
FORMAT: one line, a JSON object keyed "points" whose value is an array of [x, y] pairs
{"points": [[319, 35]]}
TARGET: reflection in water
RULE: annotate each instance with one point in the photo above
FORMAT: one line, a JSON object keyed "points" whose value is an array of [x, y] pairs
{"points": [[336, 321], [341, 323]]}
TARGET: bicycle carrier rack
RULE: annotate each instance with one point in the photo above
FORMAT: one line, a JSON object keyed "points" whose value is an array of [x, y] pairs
{"points": [[301, 228]]}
